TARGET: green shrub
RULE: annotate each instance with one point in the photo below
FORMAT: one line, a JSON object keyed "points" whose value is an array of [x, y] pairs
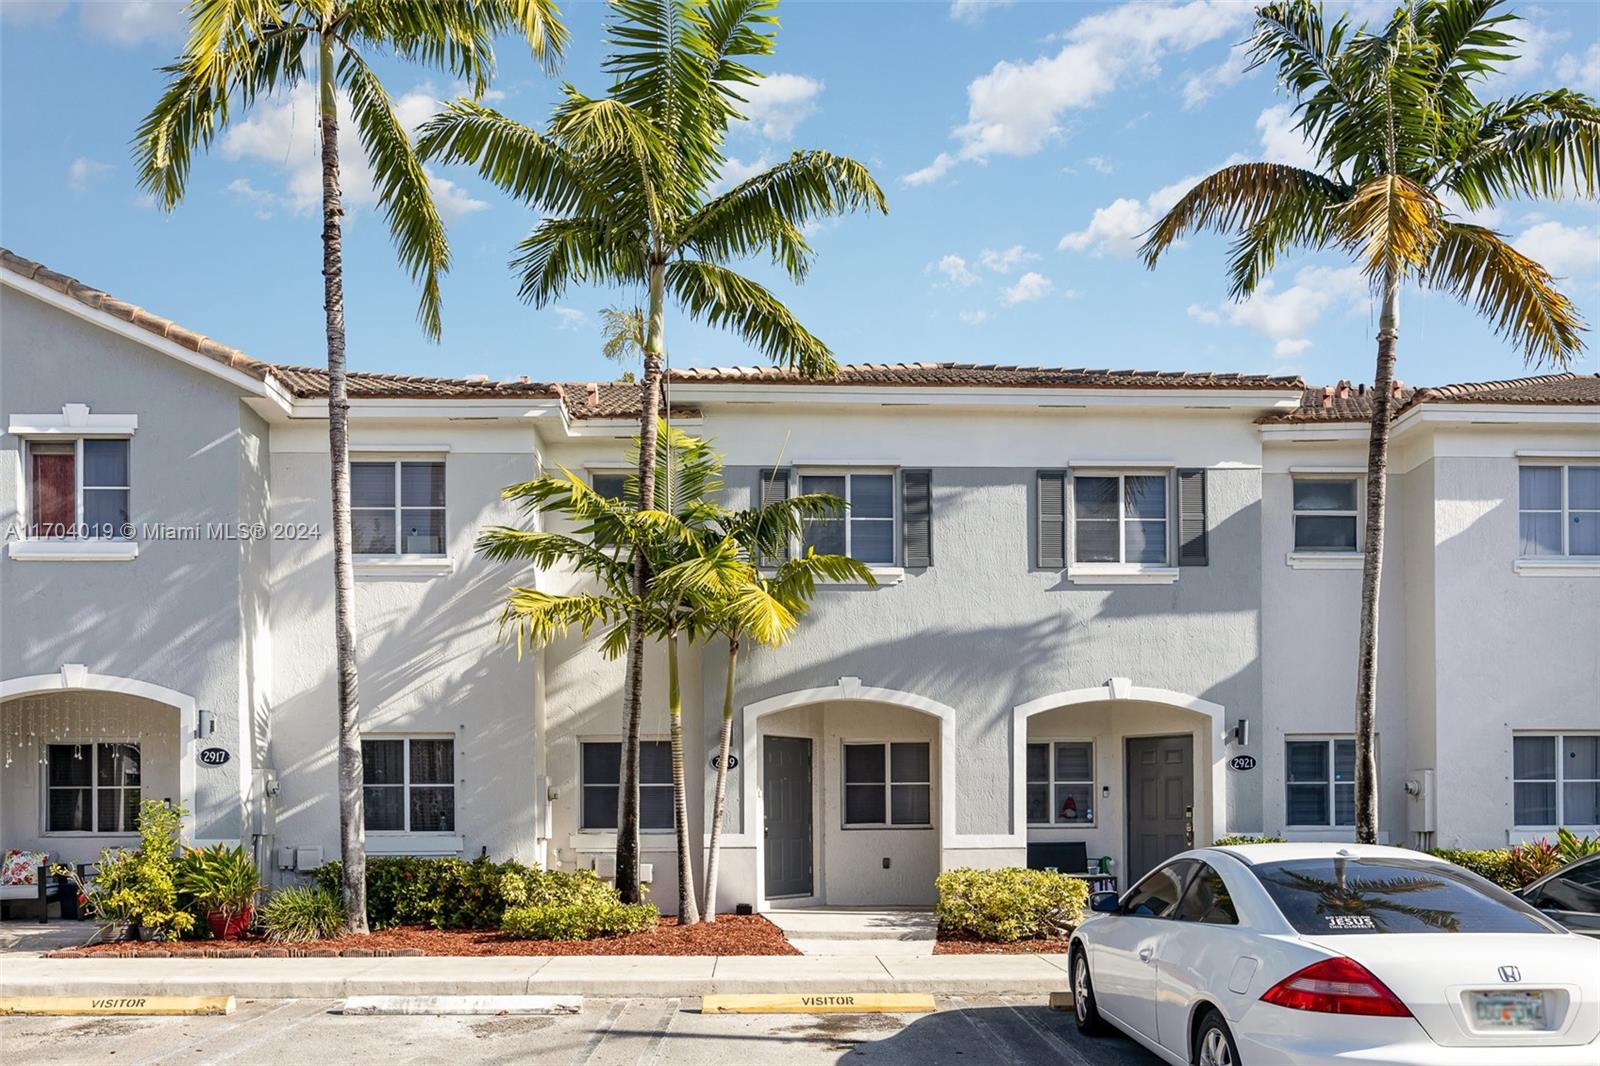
{"points": [[578, 921], [1514, 867], [139, 887], [1239, 839], [1491, 864], [1009, 904], [293, 915], [218, 878], [1574, 847]]}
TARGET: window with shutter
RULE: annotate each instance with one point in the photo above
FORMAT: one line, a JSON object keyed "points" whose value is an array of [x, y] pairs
{"points": [[916, 513], [1052, 504], [1193, 549]]}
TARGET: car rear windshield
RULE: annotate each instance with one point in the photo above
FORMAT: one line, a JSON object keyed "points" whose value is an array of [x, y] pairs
{"points": [[1333, 896]]}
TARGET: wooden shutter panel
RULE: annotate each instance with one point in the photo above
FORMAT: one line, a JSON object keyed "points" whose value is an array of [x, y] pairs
{"points": [[772, 487], [916, 516], [1192, 546], [1052, 519]]}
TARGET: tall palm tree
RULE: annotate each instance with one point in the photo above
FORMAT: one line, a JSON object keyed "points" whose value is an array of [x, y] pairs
{"points": [[1400, 134], [627, 186], [240, 50]]}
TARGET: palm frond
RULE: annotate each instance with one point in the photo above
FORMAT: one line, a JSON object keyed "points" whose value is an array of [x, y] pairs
{"points": [[546, 550], [1245, 196], [622, 334], [567, 251], [537, 618], [1509, 289], [1391, 224], [528, 165], [1543, 144], [721, 297]]}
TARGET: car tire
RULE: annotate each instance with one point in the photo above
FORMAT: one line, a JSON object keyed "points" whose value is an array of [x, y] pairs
{"points": [[1084, 1012], [1213, 1043]]}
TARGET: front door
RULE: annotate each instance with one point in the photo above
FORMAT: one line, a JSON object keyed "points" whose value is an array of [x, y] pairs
{"points": [[786, 786], [1160, 800]]}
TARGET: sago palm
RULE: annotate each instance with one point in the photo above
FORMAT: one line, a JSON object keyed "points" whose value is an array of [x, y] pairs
{"points": [[241, 50], [627, 187], [1400, 135]]}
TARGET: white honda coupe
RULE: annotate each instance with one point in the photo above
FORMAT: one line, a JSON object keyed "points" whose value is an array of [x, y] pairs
{"points": [[1279, 954]]}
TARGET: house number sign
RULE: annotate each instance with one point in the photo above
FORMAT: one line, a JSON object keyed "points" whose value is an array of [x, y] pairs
{"points": [[214, 756], [733, 761], [1242, 762]]}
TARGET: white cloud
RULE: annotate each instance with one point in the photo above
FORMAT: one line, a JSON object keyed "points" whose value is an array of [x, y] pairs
{"points": [[1281, 142], [1004, 262], [1031, 286], [974, 318], [1563, 250], [974, 10], [260, 200], [570, 319], [955, 271], [83, 172], [1286, 316], [1070, 294], [1580, 72], [1118, 228], [1017, 107], [1098, 164], [735, 170], [1199, 88], [30, 12], [130, 22], [1537, 43], [778, 103]]}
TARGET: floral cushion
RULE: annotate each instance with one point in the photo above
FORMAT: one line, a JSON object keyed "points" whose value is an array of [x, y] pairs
{"points": [[21, 867]]}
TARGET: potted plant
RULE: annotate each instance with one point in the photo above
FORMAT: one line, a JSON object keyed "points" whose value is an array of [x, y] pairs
{"points": [[222, 883]]}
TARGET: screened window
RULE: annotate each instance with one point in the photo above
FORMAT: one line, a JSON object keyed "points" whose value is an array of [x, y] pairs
{"points": [[1555, 779], [1061, 783], [397, 507], [610, 484], [601, 774], [1559, 510], [1325, 514], [92, 788], [887, 784], [866, 530], [409, 785], [1321, 782], [78, 489], [1120, 518]]}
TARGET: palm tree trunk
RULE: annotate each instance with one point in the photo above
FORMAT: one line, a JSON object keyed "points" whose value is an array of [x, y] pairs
{"points": [[1372, 566], [633, 681], [352, 841], [688, 911], [719, 804]]}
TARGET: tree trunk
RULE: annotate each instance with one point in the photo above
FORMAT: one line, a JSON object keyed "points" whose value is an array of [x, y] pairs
{"points": [[633, 680], [719, 804], [688, 911], [1372, 567], [352, 839]]}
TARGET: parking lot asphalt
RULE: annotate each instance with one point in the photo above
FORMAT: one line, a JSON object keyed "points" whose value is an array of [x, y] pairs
{"points": [[1016, 1031]]}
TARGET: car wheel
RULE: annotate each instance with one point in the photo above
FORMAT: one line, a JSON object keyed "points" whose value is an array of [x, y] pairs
{"points": [[1083, 1008], [1213, 1044]]}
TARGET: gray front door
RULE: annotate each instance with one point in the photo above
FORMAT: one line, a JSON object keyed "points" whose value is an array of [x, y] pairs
{"points": [[786, 785], [1160, 801]]}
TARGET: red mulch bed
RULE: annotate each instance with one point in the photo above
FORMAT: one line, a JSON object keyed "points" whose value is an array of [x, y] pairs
{"points": [[965, 944], [730, 934]]}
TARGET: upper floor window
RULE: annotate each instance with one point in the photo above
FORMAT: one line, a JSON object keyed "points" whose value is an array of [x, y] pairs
{"points": [[866, 531], [92, 788], [397, 507], [1061, 783], [1120, 518], [78, 488], [611, 484], [1555, 779], [1325, 514], [409, 784], [1559, 510], [600, 778], [1321, 782]]}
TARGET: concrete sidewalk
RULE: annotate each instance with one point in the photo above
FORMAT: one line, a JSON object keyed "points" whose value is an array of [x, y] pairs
{"points": [[592, 975]]}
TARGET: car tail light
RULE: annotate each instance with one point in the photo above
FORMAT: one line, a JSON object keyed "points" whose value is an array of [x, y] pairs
{"points": [[1338, 985]]}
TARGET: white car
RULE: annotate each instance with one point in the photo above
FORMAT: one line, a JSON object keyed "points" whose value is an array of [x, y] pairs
{"points": [[1281, 954]]}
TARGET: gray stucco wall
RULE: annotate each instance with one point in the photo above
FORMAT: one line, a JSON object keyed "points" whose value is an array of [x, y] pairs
{"points": [[171, 616]]}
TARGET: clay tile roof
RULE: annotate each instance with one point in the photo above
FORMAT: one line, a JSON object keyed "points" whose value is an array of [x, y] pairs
{"points": [[306, 381], [988, 374], [610, 399], [1344, 403]]}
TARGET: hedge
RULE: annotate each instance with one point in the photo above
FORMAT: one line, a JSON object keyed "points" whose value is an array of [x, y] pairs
{"points": [[1010, 903], [575, 921]]}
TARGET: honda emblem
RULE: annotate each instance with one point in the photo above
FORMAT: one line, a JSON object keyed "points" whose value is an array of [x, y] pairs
{"points": [[1510, 974]]}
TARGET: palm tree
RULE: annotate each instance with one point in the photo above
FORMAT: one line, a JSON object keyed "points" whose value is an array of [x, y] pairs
{"points": [[622, 334], [240, 50], [626, 184], [1400, 134]]}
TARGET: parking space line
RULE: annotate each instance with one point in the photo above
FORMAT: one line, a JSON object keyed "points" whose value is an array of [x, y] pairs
{"points": [[317, 1009], [602, 1030], [991, 1039], [1066, 1050], [238, 1020], [662, 1027]]}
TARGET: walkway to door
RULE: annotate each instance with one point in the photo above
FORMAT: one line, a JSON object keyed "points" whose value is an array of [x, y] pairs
{"points": [[858, 930]]}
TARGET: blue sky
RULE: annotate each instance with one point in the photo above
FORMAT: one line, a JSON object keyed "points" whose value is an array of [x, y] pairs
{"points": [[1022, 147]]}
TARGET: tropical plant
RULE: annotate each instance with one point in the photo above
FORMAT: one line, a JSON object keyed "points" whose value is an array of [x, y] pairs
{"points": [[220, 881], [1529, 861], [1405, 148], [301, 913], [1572, 847], [1228, 841], [139, 887], [627, 186], [622, 334], [240, 50]]}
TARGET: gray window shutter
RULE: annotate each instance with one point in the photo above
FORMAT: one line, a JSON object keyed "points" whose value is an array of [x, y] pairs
{"points": [[1192, 547], [916, 516], [1052, 519], [772, 487]]}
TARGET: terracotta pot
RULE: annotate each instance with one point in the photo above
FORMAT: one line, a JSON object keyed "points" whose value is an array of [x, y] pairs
{"points": [[224, 927]]}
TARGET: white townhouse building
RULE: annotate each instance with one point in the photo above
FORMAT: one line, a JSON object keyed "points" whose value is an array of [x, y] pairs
{"points": [[1115, 609]]}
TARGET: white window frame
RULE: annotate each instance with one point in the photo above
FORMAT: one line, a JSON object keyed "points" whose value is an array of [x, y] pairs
{"points": [[1565, 512], [1122, 571], [886, 743], [78, 524], [1329, 741], [405, 785], [1357, 483], [1560, 780], [849, 473], [600, 471], [377, 560], [584, 786], [95, 788], [1053, 781]]}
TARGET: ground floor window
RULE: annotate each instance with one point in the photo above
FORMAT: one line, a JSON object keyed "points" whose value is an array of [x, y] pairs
{"points": [[1555, 779], [408, 784], [92, 788], [1061, 783], [887, 783], [1320, 782], [601, 781]]}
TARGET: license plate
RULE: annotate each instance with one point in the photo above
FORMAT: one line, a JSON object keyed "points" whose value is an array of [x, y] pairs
{"points": [[1507, 1010]]}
